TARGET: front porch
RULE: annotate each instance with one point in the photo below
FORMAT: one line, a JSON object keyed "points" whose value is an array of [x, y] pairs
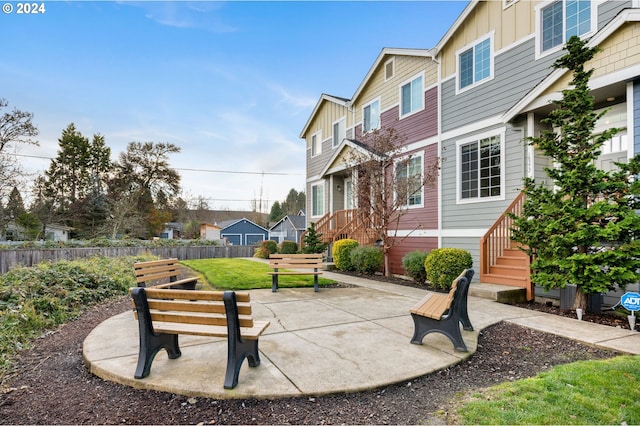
{"points": [[504, 269]]}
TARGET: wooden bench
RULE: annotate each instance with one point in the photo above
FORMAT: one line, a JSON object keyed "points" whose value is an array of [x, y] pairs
{"points": [[440, 312], [163, 314], [156, 272], [295, 261]]}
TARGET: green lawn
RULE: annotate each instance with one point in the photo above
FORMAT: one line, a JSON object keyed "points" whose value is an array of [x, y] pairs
{"points": [[244, 274], [585, 392]]}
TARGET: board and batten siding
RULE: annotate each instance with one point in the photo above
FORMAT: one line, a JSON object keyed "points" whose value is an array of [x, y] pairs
{"points": [[515, 74], [511, 25], [405, 67]]}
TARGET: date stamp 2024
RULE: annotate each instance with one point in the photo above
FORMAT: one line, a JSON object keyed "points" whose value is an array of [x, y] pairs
{"points": [[24, 8]]}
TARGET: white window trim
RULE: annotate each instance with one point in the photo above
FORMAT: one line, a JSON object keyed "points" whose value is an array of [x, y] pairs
{"points": [[472, 45], [538, 29], [404, 83], [496, 132], [318, 136], [393, 69], [343, 119], [395, 168], [379, 118], [324, 198]]}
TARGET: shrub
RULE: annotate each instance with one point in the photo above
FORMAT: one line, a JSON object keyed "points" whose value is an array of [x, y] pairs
{"points": [[341, 253], [41, 297], [271, 246], [366, 259], [288, 247], [443, 265], [266, 248], [413, 263], [313, 241]]}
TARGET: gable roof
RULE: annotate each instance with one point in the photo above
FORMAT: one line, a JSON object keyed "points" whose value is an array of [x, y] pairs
{"points": [[323, 98], [297, 222], [344, 146], [454, 28], [387, 51], [627, 15], [230, 223]]}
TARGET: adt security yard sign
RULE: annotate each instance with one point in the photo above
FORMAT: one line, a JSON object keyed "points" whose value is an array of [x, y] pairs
{"points": [[630, 301]]}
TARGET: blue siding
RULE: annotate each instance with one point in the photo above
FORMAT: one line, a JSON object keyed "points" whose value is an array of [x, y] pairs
{"points": [[607, 11], [515, 74], [244, 232]]}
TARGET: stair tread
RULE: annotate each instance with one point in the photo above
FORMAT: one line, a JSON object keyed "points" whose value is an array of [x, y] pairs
{"points": [[487, 277]]}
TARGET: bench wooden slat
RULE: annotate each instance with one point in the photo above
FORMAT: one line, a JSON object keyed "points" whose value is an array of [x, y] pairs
{"points": [[156, 271], [293, 273], [156, 293], [164, 314], [183, 318], [295, 261], [252, 333], [442, 313]]}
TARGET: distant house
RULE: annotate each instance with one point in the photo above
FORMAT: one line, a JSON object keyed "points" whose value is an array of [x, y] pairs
{"points": [[289, 228], [243, 232], [172, 230], [209, 231], [55, 232]]}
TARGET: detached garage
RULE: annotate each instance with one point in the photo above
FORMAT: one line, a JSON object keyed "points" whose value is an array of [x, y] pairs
{"points": [[243, 232]]}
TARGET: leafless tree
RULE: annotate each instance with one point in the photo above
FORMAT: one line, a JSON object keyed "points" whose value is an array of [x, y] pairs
{"points": [[388, 180]]}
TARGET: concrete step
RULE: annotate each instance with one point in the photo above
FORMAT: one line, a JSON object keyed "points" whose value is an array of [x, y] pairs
{"points": [[498, 292]]}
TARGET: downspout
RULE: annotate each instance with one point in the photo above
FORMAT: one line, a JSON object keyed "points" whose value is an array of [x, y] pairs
{"points": [[439, 133]]}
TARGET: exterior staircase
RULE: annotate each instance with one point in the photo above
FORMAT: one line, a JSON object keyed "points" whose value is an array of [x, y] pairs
{"points": [[501, 261], [345, 224]]}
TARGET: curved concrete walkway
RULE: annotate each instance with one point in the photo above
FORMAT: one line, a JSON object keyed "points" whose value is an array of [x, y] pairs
{"points": [[336, 340]]}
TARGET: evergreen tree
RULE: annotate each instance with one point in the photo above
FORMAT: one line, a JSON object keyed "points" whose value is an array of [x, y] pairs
{"points": [[277, 212], [312, 241], [584, 230]]}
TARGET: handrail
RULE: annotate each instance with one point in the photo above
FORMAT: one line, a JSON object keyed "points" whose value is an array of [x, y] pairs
{"points": [[498, 237]]}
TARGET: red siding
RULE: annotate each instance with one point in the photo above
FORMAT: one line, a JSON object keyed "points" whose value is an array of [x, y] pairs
{"points": [[406, 245], [419, 126]]}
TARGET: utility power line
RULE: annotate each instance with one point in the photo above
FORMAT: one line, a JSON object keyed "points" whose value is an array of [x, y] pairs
{"points": [[195, 170]]}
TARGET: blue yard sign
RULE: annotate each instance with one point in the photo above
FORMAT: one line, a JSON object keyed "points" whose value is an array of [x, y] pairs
{"points": [[630, 301]]}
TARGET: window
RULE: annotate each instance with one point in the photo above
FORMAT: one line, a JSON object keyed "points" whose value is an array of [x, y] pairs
{"points": [[339, 132], [474, 63], [317, 199], [562, 19], [409, 180], [316, 145], [371, 116], [480, 168], [411, 96]]}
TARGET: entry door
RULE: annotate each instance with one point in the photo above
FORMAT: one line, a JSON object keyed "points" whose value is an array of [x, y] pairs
{"points": [[614, 150]]}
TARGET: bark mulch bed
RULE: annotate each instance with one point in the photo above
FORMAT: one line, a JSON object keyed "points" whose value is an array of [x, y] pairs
{"points": [[50, 385]]}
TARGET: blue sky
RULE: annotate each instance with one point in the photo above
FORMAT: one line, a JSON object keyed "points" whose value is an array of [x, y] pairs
{"points": [[231, 83]]}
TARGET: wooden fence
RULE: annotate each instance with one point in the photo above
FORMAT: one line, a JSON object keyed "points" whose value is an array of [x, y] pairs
{"points": [[33, 256]]}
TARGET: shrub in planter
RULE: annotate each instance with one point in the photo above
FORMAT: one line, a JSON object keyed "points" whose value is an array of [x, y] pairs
{"points": [[443, 265], [413, 263], [367, 259], [288, 247], [341, 253]]}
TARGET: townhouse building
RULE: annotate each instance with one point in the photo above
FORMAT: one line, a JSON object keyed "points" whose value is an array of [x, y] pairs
{"points": [[471, 101]]}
